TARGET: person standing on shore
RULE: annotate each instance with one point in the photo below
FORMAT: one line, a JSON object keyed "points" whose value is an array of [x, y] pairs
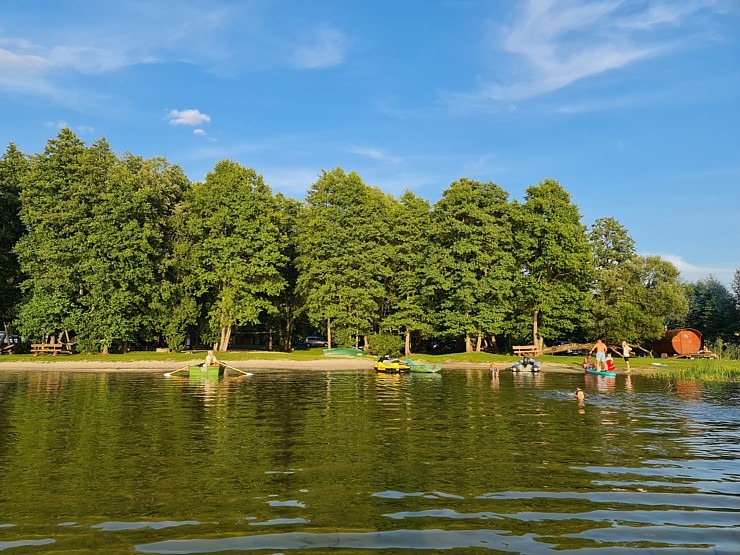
{"points": [[626, 350], [600, 348]]}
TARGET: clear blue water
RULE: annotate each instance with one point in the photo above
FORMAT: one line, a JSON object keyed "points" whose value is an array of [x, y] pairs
{"points": [[354, 462]]}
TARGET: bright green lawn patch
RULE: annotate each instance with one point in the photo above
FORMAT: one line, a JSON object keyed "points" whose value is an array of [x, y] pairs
{"points": [[135, 356]]}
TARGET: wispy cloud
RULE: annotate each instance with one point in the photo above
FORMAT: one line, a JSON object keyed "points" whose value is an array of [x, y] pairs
{"points": [[324, 47], [188, 117], [61, 124], [694, 272], [292, 182], [374, 154], [555, 43]]}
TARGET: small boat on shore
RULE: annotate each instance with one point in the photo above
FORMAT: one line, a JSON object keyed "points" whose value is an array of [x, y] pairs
{"points": [[344, 352]]}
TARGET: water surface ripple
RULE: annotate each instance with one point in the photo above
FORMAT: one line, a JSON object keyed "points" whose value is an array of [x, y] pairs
{"points": [[352, 462]]}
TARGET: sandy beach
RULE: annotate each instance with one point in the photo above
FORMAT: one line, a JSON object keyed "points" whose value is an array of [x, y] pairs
{"points": [[70, 365]]}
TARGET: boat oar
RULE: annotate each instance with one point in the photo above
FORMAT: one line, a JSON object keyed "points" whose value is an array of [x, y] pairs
{"points": [[168, 374], [237, 370]]}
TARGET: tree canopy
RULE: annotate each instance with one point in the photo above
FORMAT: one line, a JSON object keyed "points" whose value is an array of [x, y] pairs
{"points": [[118, 250]]}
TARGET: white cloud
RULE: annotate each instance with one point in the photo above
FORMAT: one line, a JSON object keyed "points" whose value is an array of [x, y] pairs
{"points": [[324, 48], [557, 43], [188, 117], [199, 131], [693, 272]]}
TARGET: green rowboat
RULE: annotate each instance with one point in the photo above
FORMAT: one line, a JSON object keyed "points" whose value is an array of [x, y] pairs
{"points": [[204, 371]]}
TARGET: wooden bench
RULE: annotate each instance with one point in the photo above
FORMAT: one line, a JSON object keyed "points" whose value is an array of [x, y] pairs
{"points": [[7, 349], [526, 350], [52, 349]]}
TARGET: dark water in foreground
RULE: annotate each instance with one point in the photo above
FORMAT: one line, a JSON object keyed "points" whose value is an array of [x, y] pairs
{"points": [[354, 462]]}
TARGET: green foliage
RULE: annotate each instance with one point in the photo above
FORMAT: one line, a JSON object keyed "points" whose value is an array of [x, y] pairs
{"points": [[408, 305], [555, 264], [123, 249], [344, 255], [472, 259], [13, 170], [232, 224], [385, 344], [712, 310], [636, 300], [611, 244]]}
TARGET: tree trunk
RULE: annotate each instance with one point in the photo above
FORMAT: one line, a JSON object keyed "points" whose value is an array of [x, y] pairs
{"points": [[494, 344], [328, 332], [225, 336], [479, 343], [468, 344], [408, 343], [105, 350]]}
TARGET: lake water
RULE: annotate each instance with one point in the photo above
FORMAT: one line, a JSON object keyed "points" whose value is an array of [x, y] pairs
{"points": [[354, 462]]}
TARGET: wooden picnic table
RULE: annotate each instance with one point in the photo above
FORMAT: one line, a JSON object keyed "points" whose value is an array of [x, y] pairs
{"points": [[52, 349], [524, 350]]}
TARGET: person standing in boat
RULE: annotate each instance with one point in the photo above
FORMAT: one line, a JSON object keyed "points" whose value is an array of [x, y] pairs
{"points": [[626, 351], [600, 348], [211, 359]]}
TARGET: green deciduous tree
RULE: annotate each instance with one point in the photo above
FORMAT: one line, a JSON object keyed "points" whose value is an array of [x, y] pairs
{"points": [[555, 264], [409, 296], [233, 224], [287, 303], [344, 254], [13, 169], [472, 240], [57, 212]]}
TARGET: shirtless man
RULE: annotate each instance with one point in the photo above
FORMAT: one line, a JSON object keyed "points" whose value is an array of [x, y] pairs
{"points": [[600, 348]]}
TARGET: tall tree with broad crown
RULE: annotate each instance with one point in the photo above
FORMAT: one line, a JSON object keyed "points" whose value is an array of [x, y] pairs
{"points": [[555, 264], [472, 246], [233, 223], [344, 258], [409, 299], [57, 206]]}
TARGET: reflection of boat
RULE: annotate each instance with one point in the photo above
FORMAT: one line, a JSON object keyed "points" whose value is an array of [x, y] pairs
{"points": [[600, 372], [391, 366], [213, 371], [425, 368], [343, 352]]}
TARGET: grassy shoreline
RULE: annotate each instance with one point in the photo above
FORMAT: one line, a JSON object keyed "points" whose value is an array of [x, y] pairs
{"points": [[720, 370]]}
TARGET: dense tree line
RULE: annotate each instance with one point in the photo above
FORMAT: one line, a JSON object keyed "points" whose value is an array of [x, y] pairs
{"points": [[119, 250]]}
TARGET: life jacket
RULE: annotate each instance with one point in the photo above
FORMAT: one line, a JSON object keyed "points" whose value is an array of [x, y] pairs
{"points": [[610, 366]]}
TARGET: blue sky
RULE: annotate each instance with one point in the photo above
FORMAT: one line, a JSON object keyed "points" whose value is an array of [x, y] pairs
{"points": [[634, 106]]}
